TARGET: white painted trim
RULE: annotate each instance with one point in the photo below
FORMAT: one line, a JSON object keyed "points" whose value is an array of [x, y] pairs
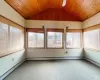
{"points": [[54, 58], [93, 62], [11, 70]]}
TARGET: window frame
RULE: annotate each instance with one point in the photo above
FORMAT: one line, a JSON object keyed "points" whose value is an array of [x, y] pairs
{"points": [[54, 30], [38, 30], [73, 31]]}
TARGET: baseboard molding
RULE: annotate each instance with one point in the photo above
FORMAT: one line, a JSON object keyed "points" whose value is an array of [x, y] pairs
{"points": [[92, 61], [53, 58], [11, 70]]}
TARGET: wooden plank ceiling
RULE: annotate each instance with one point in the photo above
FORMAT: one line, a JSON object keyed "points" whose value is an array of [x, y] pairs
{"points": [[75, 10], [58, 14]]}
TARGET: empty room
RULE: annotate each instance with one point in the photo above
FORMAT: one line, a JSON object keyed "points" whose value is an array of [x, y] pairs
{"points": [[49, 39]]}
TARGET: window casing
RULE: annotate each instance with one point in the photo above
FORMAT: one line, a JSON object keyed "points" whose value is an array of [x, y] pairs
{"points": [[55, 38], [35, 38]]}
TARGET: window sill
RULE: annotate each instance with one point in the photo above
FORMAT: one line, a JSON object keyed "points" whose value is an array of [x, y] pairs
{"points": [[54, 48], [35, 48], [92, 49], [73, 48]]}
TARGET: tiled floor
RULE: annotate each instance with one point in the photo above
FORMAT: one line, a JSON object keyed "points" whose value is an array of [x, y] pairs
{"points": [[56, 70]]}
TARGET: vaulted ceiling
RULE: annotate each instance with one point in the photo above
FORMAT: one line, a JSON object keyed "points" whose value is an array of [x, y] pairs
{"points": [[74, 10]]}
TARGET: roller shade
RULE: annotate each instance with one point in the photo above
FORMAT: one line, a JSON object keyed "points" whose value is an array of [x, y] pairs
{"points": [[92, 28], [11, 23], [55, 30], [73, 30], [37, 30]]}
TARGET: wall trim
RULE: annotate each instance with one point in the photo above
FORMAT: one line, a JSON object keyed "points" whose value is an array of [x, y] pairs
{"points": [[92, 61], [11, 70], [53, 58]]}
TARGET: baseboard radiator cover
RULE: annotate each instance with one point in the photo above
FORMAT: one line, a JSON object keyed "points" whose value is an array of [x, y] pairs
{"points": [[92, 61], [54, 58], [11, 70], [38, 58]]}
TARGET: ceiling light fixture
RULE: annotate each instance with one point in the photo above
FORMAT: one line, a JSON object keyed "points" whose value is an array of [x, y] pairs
{"points": [[64, 3]]}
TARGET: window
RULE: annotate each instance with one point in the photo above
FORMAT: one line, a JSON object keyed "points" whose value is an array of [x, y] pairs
{"points": [[73, 39], [54, 38], [11, 37], [36, 38], [16, 39], [91, 39], [3, 38]]}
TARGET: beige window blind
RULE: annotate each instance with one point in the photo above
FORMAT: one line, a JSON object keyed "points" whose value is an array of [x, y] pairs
{"points": [[55, 38], [16, 39], [73, 38], [92, 39], [3, 38], [35, 37]]}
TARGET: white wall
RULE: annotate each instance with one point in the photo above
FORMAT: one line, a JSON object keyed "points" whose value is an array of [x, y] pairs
{"points": [[92, 55], [53, 24], [53, 53], [7, 62], [8, 12]]}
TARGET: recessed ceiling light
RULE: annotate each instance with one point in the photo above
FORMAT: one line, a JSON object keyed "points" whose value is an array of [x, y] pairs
{"points": [[64, 3]]}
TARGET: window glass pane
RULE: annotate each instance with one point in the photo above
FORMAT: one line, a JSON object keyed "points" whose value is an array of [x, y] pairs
{"points": [[35, 40], [54, 40], [40, 40], [31, 39], [16, 39], [3, 38], [69, 40], [58, 39], [91, 39], [51, 39], [73, 40]]}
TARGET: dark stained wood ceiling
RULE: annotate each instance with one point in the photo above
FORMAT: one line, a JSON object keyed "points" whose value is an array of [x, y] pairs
{"points": [[75, 10]]}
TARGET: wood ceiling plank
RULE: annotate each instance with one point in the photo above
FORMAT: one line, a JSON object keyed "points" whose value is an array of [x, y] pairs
{"points": [[43, 4], [82, 9], [55, 3], [56, 14]]}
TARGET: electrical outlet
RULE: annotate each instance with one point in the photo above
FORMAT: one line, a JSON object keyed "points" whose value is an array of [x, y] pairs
{"points": [[66, 52], [12, 59]]}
